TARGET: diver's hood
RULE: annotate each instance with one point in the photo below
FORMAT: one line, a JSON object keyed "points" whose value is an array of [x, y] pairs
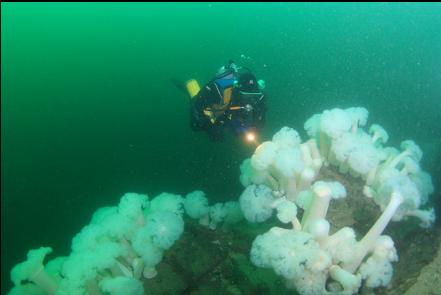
{"points": [[248, 83]]}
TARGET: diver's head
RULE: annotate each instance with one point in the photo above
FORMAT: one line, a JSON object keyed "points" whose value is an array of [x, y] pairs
{"points": [[248, 83]]}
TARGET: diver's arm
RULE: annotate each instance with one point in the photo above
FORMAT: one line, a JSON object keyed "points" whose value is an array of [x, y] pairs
{"points": [[203, 100]]}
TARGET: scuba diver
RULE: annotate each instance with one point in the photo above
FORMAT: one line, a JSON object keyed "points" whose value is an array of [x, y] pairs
{"points": [[233, 99]]}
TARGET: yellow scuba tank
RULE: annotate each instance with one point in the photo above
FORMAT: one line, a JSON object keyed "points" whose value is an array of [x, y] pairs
{"points": [[193, 87]]}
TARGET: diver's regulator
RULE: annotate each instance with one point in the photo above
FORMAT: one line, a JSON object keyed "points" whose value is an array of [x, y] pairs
{"points": [[247, 108]]}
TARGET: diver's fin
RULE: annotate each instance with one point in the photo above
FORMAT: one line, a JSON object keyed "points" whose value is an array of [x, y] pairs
{"points": [[191, 87], [180, 85]]}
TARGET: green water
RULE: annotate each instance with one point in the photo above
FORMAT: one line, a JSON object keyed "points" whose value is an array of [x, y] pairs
{"points": [[88, 110]]}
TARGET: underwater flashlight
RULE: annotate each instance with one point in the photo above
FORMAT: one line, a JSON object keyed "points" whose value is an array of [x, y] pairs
{"points": [[250, 136]]}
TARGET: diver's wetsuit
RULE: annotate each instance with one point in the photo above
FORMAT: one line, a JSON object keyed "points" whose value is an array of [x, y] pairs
{"points": [[219, 95], [207, 97]]}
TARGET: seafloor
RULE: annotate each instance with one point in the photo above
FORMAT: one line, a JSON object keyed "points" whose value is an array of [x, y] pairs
{"points": [[217, 262]]}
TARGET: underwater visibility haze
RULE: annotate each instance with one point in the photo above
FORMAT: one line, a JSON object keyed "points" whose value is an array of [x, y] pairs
{"points": [[89, 112]]}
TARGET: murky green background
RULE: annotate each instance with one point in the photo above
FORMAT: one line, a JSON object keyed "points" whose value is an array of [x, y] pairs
{"points": [[88, 111]]}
